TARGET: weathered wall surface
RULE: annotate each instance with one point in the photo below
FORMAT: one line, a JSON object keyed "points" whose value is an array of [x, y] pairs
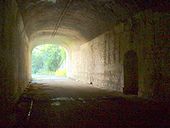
{"points": [[101, 60], [162, 56], [13, 54]]}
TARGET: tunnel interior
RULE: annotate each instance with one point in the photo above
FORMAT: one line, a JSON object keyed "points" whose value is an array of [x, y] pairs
{"points": [[130, 73], [99, 37]]}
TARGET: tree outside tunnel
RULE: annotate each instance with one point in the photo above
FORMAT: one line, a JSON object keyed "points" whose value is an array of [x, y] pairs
{"points": [[49, 59]]}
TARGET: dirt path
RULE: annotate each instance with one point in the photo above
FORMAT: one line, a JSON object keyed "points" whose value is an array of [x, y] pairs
{"points": [[65, 103]]}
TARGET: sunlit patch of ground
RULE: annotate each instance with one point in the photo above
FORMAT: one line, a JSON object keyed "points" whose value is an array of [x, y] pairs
{"points": [[47, 77]]}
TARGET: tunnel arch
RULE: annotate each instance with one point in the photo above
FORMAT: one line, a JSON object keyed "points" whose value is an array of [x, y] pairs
{"points": [[48, 40], [130, 73]]}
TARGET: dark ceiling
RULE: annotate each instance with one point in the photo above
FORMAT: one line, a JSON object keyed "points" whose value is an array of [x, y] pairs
{"points": [[80, 20]]}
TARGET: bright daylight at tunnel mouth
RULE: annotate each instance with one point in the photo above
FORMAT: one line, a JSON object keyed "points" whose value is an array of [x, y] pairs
{"points": [[48, 62]]}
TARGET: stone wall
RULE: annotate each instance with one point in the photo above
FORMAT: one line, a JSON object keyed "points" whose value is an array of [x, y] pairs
{"points": [[101, 60], [13, 54]]}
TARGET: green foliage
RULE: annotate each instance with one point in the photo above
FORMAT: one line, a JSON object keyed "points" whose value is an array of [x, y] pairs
{"points": [[47, 58]]}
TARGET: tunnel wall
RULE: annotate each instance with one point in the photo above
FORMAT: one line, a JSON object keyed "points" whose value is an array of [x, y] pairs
{"points": [[13, 55], [100, 61]]}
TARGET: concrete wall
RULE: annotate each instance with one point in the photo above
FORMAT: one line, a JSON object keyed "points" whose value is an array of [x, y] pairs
{"points": [[13, 54], [101, 60]]}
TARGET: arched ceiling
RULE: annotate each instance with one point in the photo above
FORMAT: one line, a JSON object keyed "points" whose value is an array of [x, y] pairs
{"points": [[78, 20]]}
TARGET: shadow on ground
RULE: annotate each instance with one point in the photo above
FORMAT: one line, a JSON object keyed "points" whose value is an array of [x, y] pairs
{"points": [[68, 104]]}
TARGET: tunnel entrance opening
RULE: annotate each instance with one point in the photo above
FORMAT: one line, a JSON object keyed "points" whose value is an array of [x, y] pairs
{"points": [[130, 73], [49, 62]]}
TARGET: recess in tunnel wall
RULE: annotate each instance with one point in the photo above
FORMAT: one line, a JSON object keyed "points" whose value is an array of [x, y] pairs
{"points": [[13, 55], [130, 67], [101, 60]]}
